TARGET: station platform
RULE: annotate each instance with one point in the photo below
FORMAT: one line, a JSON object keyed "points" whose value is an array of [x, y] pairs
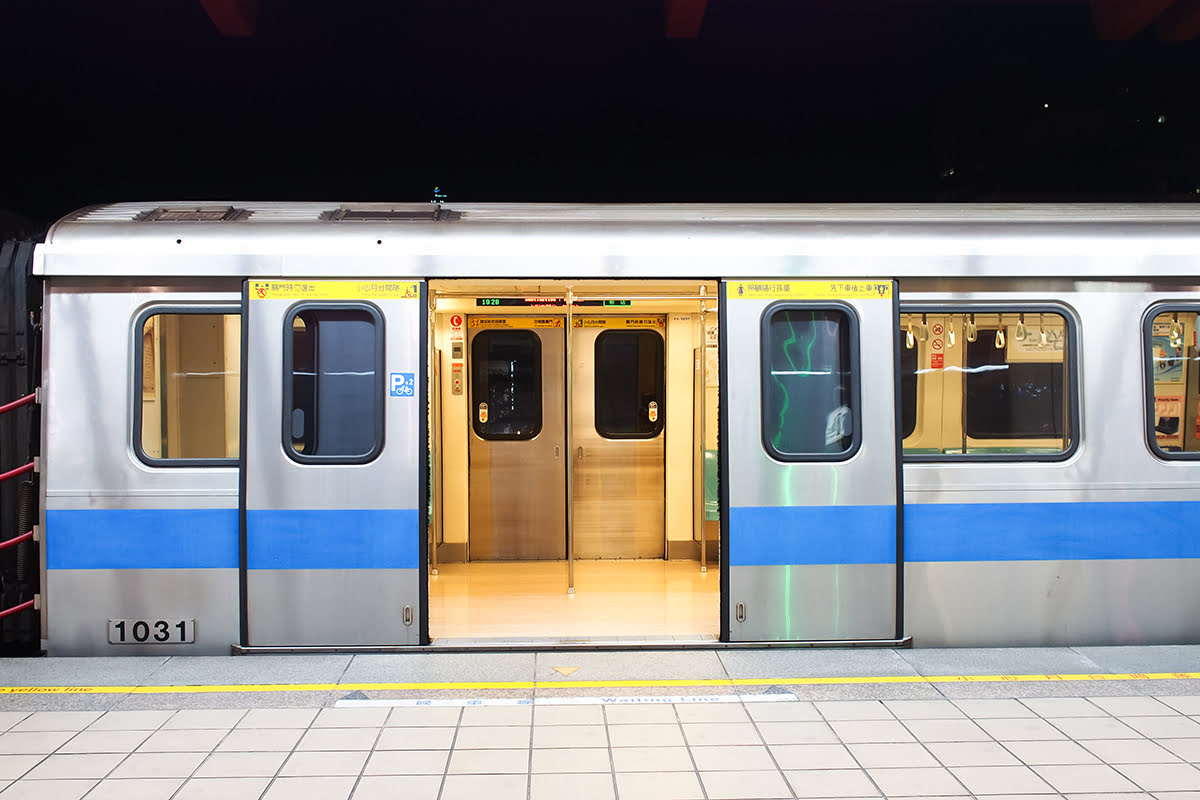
{"points": [[1085, 722]]}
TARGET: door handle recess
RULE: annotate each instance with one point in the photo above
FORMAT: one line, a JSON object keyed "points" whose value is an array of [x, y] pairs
{"points": [[579, 452]]}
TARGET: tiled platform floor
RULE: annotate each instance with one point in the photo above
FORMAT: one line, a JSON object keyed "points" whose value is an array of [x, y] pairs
{"points": [[1075, 747]]}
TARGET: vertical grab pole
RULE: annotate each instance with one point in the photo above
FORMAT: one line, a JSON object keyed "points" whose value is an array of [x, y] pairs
{"points": [[434, 441], [570, 442], [703, 427]]}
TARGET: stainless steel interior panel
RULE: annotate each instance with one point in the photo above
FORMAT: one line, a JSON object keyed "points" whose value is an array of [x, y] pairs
{"points": [[618, 494], [518, 487], [1052, 603], [810, 518], [85, 599], [807, 601], [310, 527]]}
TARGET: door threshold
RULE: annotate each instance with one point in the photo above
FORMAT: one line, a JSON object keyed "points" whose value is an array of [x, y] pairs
{"points": [[560, 642]]}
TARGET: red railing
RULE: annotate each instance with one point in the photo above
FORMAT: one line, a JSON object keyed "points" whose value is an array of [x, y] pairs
{"points": [[12, 473]]}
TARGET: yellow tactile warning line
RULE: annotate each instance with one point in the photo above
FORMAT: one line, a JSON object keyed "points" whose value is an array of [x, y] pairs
{"points": [[616, 684]]}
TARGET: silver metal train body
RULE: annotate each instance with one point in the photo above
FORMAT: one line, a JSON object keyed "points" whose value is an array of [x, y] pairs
{"points": [[967, 426]]}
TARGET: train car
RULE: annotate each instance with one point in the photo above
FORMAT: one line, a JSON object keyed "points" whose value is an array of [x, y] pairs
{"points": [[305, 426]]}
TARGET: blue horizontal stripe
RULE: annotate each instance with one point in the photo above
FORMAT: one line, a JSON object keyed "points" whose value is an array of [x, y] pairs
{"points": [[1051, 531], [332, 539], [766, 536], [142, 539]]}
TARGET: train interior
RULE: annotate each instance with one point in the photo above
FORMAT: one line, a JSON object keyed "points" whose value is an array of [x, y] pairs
{"points": [[1175, 363], [573, 459]]}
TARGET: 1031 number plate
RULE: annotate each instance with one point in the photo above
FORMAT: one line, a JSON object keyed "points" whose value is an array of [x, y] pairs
{"points": [[151, 631]]}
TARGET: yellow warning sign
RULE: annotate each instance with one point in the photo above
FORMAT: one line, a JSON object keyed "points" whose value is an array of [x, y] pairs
{"points": [[333, 290], [620, 322], [810, 290], [514, 322]]}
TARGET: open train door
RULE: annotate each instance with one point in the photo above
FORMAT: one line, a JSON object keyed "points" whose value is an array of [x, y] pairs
{"points": [[334, 447], [810, 469]]}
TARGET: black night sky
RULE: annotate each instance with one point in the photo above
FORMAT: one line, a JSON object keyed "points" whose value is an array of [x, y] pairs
{"points": [[534, 100]]}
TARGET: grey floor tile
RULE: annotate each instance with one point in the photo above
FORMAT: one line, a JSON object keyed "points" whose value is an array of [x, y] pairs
{"points": [[659, 786], [1173, 727], [257, 718], [640, 715], [424, 717], [91, 765], [972, 754], [1133, 706], [998, 661], [33, 742], [784, 711], [1130, 751], [813, 756], [339, 739], [545, 736], [57, 721], [651, 759], [1080, 728], [916, 782], [699, 734], [1063, 707], [14, 766], [1163, 777], [489, 762], [118, 671], [241, 765], [407, 762], [440, 667], [1017, 730], [1187, 749], [946, 730], [923, 709], [324, 764], [492, 787], [415, 739], [768, 664], [712, 712], [497, 715], [1000, 708], [135, 789], [850, 731], [10, 718], [797, 733], [351, 717], [1076, 778], [1001, 780], [244, 788], [568, 760], [744, 785], [158, 765], [630, 665], [1056, 752], [831, 783], [892, 755], [713, 759], [93, 741], [260, 739], [486, 737], [318, 788], [645, 735], [48, 790], [586, 786], [1150, 659], [182, 741], [205, 718], [226, 670], [1184, 704], [393, 787], [854, 710], [568, 715]]}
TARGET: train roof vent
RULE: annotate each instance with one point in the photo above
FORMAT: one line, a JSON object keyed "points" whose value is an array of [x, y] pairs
{"points": [[193, 214], [435, 214]]}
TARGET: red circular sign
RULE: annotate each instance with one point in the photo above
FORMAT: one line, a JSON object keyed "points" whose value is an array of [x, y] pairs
{"points": [[937, 344], [456, 320], [937, 329]]}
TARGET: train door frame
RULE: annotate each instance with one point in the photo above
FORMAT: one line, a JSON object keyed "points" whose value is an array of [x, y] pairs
{"points": [[872, 614]]}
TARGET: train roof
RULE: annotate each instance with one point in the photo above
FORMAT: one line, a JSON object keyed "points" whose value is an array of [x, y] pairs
{"points": [[256, 239]]}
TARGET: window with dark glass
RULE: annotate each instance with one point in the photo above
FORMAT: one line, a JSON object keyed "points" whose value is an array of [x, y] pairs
{"points": [[334, 384], [908, 391], [1173, 381], [506, 384], [808, 386], [190, 387], [629, 384], [1011, 400]]}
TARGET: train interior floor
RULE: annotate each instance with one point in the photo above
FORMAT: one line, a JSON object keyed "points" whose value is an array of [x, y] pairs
{"points": [[697, 724], [623, 600]]}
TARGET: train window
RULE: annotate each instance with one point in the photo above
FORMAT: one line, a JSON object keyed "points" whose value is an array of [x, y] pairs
{"points": [[333, 383], [809, 388], [506, 385], [987, 383], [1173, 380], [189, 376], [630, 380]]}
